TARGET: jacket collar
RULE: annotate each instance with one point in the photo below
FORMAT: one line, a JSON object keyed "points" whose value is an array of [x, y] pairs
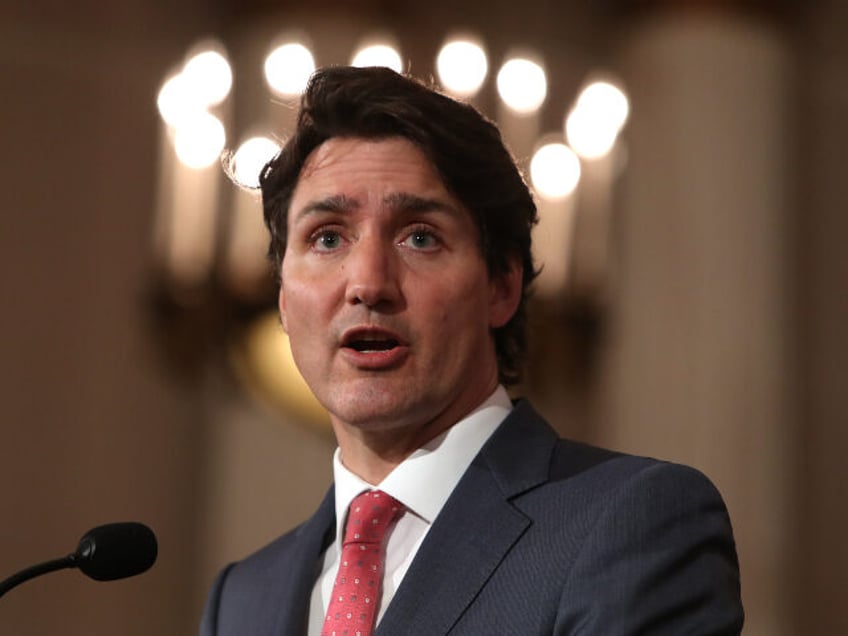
{"points": [[313, 537], [476, 529]]}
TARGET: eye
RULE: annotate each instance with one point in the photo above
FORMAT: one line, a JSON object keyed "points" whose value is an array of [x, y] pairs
{"points": [[421, 239], [326, 240]]}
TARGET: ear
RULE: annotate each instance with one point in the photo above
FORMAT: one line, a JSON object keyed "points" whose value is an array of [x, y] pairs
{"points": [[505, 294]]}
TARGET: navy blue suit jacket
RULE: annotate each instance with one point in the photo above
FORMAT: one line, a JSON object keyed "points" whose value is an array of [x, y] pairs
{"points": [[541, 536]]}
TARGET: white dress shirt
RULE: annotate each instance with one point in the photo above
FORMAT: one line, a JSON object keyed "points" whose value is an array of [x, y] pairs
{"points": [[422, 482]]}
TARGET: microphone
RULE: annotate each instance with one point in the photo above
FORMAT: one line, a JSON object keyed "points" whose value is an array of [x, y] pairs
{"points": [[105, 553]]}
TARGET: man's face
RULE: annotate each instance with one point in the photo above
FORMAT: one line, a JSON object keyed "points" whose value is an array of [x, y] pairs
{"points": [[385, 294]]}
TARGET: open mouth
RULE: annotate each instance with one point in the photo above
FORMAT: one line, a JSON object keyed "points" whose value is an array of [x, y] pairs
{"points": [[367, 345], [371, 340], [372, 348]]}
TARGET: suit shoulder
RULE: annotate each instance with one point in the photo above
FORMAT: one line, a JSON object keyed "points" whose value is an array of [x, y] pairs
{"points": [[313, 535], [266, 558], [599, 475], [577, 469], [251, 595]]}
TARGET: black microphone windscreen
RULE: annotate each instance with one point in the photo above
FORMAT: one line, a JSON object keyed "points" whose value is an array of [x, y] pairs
{"points": [[116, 551]]}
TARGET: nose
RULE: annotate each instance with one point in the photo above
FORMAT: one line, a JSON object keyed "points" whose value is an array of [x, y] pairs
{"points": [[372, 269]]}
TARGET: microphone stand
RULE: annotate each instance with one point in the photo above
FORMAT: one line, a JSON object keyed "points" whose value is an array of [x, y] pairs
{"points": [[31, 572]]}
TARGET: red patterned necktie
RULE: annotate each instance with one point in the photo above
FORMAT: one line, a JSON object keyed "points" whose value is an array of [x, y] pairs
{"points": [[357, 590]]}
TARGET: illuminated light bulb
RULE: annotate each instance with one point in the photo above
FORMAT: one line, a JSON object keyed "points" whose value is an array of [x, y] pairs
{"points": [[522, 85], [208, 78], [608, 101], [593, 125], [462, 67], [378, 55], [199, 140], [288, 68], [174, 102], [590, 136], [554, 171], [250, 159]]}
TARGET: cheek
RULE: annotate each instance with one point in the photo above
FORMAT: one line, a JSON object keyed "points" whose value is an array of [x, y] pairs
{"points": [[281, 305], [461, 307], [292, 305], [304, 305]]}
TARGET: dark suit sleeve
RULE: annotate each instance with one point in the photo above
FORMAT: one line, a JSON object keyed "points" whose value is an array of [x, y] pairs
{"points": [[209, 622], [660, 559]]}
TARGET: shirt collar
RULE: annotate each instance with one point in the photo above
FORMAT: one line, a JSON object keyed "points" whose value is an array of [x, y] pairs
{"points": [[439, 464]]}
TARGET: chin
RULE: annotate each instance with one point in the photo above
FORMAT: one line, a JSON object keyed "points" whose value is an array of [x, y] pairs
{"points": [[378, 410], [373, 417]]}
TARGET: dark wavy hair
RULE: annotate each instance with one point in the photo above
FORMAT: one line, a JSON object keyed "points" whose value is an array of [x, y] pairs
{"points": [[465, 148]]}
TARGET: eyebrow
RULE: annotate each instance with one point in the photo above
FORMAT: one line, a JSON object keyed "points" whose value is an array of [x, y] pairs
{"points": [[334, 203], [406, 202]]}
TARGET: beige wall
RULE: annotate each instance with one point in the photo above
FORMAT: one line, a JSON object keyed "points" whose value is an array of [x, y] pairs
{"points": [[93, 428], [821, 307]]}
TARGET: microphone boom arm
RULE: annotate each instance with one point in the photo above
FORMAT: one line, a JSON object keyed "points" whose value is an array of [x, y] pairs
{"points": [[33, 571]]}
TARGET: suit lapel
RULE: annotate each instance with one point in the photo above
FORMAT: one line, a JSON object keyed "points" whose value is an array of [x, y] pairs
{"points": [[312, 538], [475, 530]]}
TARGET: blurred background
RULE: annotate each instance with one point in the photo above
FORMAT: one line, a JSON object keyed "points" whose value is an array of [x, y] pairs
{"points": [[694, 305]]}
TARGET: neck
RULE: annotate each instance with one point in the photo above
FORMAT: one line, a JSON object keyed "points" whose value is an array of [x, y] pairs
{"points": [[372, 455], [372, 452]]}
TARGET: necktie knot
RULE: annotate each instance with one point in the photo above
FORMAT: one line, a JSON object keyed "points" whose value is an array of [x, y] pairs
{"points": [[370, 515]]}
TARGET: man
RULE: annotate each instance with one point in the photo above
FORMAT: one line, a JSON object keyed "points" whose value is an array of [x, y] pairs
{"points": [[401, 229]]}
